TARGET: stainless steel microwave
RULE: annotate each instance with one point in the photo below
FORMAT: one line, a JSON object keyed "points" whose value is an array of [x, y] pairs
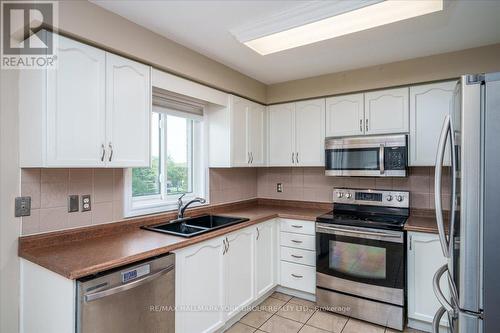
{"points": [[369, 156]]}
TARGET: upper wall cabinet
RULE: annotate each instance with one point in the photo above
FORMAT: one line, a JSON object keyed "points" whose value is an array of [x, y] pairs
{"points": [[237, 134], [386, 111], [345, 115], [429, 104], [93, 110], [297, 133]]}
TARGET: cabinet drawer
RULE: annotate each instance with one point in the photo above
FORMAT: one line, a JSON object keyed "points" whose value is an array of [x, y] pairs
{"points": [[298, 256], [298, 241], [300, 227], [298, 277]]}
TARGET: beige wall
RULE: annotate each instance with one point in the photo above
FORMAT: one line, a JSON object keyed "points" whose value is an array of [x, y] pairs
{"points": [[91, 23], [311, 184], [432, 68]]}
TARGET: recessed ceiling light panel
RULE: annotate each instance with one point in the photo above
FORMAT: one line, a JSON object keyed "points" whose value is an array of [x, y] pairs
{"points": [[366, 17]]}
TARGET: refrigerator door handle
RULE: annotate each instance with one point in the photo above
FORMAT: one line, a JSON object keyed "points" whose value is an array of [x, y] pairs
{"points": [[437, 185], [453, 206], [438, 292], [437, 319]]}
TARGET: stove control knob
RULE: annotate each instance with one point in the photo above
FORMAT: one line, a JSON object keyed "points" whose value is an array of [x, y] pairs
{"points": [[388, 198], [340, 195], [399, 198], [348, 195]]}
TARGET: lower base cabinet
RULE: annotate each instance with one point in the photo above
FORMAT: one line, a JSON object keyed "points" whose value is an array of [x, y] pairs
{"points": [[223, 275], [424, 259]]}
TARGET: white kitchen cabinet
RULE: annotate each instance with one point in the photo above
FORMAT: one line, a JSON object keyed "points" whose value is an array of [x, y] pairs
{"points": [[239, 268], [310, 133], [128, 112], [265, 257], [429, 104], [297, 133], [345, 115], [424, 259], [281, 143], [386, 111], [200, 282], [93, 110], [237, 134]]}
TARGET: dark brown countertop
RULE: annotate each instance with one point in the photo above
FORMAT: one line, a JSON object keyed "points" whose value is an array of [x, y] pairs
{"points": [[74, 254], [423, 221]]}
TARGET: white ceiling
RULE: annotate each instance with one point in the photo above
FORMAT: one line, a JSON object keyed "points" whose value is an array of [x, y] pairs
{"points": [[204, 26]]}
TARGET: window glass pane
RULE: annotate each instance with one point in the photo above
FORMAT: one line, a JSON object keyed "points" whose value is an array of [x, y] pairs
{"points": [[146, 181], [179, 133], [358, 260]]}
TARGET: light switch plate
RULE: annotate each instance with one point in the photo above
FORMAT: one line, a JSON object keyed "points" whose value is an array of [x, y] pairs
{"points": [[23, 206], [279, 187], [86, 203], [73, 203]]}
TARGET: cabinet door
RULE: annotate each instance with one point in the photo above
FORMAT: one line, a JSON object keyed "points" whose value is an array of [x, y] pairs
{"points": [[128, 112], [429, 104], [345, 115], [424, 259], [200, 283], [265, 257], [386, 111], [239, 132], [256, 134], [281, 134], [76, 106], [310, 133], [239, 270]]}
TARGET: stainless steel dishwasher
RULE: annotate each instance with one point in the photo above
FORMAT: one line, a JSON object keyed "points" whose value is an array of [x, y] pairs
{"points": [[139, 298]]}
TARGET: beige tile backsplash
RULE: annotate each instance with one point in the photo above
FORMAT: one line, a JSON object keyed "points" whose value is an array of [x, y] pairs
{"points": [[310, 184], [49, 190]]}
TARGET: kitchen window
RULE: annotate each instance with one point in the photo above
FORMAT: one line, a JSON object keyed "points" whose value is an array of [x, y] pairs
{"points": [[177, 158]]}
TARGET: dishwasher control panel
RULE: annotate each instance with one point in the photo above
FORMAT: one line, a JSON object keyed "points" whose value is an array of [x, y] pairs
{"points": [[135, 273]]}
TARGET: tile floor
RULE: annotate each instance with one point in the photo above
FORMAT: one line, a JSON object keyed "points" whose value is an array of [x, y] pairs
{"points": [[282, 313]]}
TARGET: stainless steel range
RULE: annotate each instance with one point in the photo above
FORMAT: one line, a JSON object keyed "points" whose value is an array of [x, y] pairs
{"points": [[360, 256]]}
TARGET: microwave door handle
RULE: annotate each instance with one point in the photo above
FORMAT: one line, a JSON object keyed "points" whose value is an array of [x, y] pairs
{"points": [[437, 185], [381, 157]]}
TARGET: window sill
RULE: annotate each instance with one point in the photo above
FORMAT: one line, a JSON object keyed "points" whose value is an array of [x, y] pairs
{"points": [[149, 207]]}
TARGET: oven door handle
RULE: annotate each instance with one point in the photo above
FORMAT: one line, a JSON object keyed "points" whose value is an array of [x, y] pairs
{"points": [[381, 157], [356, 232]]}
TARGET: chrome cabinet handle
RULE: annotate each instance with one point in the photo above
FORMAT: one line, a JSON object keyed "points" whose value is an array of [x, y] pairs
{"points": [[445, 131], [297, 226], [227, 242], [296, 241], [361, 125], [258, 233], [224, 244], [297, 276], [248, 154], [296, 256], [251, 157], [297, 157], [411, 241], [381, 158], [366, 121], [292, 158], [103, 152], [111, 154], [111, 291]]}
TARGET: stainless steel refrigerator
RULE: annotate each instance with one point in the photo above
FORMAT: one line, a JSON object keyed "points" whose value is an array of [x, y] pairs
{"points": [[470, 237]]}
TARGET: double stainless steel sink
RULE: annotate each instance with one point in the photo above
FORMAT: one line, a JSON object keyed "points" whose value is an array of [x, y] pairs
{"points": [[193, 226]]}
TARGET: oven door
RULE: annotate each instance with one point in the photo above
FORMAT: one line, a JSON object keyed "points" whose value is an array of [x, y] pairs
{"points": [[361, 261]]}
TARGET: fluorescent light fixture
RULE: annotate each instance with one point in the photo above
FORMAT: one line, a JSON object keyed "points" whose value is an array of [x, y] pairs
{"points": [[364, 18]]}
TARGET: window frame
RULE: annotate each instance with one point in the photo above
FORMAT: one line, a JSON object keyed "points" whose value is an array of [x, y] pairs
{"points": [[160, 203]]}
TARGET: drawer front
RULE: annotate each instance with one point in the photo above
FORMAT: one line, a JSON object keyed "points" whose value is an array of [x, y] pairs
{"points": [[299, 241], [298, 277], [297, 226], [298, 256]]}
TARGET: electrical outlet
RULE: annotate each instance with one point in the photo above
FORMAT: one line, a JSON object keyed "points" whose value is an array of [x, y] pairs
{"points": [[22, 206], [73, 204], [279, 187], [86, 204]]}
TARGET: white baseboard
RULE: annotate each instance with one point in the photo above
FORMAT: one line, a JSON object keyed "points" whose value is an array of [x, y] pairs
{"points": [[296, 293]]}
